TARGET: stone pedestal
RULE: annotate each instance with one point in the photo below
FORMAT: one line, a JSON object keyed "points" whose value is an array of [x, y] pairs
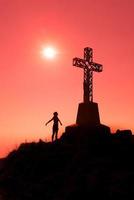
{"points": [[88, 114]]}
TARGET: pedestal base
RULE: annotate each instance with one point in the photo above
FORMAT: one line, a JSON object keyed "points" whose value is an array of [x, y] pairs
{"points": [[88, 114]]}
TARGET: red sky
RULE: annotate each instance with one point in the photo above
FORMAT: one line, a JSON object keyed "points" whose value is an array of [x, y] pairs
{"points": [[32, 88]]}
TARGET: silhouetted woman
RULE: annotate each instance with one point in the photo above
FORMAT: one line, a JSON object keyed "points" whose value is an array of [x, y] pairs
{"points": [[56, 121]]}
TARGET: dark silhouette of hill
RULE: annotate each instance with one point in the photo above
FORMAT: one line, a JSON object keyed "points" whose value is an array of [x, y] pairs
{"points": [[85, 163]]}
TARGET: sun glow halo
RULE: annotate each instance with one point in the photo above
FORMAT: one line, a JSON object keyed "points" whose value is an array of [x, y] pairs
{"points": [[49, 52]]}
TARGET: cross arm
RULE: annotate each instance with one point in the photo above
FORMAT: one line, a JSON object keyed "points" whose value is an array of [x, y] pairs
{"points": [[96, 67], [78, 62]]}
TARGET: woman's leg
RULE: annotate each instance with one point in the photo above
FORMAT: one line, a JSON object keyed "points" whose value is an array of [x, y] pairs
{"points": [[56, 134], [53, 133]]}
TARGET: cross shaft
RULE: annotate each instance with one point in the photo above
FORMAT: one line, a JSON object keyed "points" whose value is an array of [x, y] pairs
{"points": [[89, 66]]}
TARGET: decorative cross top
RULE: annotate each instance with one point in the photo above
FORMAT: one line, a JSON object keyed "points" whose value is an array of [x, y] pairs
{"points": [[89, 66]]}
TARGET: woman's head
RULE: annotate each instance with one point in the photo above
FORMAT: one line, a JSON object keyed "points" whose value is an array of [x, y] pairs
{"points": [[55, 113]]}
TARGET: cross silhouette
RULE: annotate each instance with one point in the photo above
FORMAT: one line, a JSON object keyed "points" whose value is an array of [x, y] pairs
{"points": [[89, 66]]}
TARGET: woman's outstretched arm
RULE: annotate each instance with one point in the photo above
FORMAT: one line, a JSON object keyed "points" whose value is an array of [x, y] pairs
{"points": [[59, 121], [49, 121]]}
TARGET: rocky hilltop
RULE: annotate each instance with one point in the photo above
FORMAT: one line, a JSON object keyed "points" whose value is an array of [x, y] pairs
{"points": [[84, 163]]}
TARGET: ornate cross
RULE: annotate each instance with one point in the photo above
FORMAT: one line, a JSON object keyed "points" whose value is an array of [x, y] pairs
{"points": [[89, 66]]}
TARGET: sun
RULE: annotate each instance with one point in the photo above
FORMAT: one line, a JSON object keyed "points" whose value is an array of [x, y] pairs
{"points": [[49, 52]]}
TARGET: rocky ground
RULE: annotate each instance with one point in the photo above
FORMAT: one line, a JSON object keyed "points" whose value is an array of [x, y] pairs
{"points": [[85, 163]]}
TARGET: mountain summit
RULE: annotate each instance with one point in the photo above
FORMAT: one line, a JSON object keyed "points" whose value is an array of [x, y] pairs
{"points": [[84, 163]]}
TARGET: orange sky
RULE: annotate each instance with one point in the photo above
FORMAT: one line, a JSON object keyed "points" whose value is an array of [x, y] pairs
{"points": [[33, 88]]}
